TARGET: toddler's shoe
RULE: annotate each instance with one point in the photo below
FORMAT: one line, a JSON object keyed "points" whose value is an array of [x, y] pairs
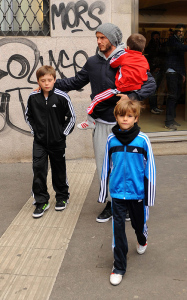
{"points": [[86, 125], [141, 249], [115, 279]]}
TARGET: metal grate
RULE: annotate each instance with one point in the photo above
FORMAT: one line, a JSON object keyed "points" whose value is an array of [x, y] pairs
{"points": [[24, 18]]}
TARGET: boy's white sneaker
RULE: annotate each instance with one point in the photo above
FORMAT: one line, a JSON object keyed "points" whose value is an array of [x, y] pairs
{"points": [[115, 279], [86, 125], [141, 249]]}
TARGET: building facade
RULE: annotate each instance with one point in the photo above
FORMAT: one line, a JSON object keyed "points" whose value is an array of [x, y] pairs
{"points": [[62, 34]]}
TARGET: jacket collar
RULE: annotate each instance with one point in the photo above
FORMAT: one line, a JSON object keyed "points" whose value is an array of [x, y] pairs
{"points": [[126, 137], [119, 47], [50, 92]]}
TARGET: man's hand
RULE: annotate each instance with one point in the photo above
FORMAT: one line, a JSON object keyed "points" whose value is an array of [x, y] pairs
{"points": [[123, 97], [37, 89]]}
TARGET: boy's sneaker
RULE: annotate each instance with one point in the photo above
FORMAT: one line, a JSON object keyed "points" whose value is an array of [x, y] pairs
{"points": [[86, 125], [60, 205], [115, 279], [40, 209], [106, 214], [141, 249]]}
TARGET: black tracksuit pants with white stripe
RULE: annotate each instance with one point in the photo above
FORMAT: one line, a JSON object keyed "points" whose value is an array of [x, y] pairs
{"points": [[56, 156], [120, 244]]}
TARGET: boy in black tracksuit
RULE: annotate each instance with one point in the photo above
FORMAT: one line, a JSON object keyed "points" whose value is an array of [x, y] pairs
{"points": [[51, 117]]}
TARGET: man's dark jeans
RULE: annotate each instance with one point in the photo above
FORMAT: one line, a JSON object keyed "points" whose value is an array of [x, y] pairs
{"points": [[174, 86], [158, 76]]}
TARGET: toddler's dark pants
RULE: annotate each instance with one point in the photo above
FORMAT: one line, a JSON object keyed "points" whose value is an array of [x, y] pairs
{"points": [[138, 221], [40, 170]]}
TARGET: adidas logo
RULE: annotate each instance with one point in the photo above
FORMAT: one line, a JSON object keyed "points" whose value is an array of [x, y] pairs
{"points": [[135, 150], [54, 105]]}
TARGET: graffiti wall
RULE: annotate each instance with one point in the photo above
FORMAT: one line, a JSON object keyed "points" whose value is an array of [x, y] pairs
{"points": [[72, 41]]}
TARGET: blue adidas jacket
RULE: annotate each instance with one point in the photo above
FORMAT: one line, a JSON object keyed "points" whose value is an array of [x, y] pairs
{"points": [[130, 170]]}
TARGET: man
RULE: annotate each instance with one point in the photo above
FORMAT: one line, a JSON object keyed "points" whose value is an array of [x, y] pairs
{"points": [[175, 74], [101, 76], [155, 59]]}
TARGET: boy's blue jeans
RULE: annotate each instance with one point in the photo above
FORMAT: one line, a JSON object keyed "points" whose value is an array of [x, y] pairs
{"points": [[138, 221]]}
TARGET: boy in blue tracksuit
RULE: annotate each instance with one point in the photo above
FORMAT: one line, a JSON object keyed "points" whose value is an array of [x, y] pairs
{"points": [[129, 167]]}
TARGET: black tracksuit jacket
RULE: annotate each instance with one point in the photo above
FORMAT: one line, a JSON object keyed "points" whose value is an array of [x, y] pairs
{"points": [[50, 120]]}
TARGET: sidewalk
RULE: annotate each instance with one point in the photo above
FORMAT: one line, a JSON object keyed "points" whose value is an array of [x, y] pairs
{"points": [[67, 255]]}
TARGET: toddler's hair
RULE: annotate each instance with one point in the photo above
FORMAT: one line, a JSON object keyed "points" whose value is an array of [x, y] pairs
{"points": [[136, 41], [45, 70], [124, 107]]}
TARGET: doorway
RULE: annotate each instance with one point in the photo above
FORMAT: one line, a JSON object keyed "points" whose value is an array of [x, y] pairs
{"points": [[161, 17]]}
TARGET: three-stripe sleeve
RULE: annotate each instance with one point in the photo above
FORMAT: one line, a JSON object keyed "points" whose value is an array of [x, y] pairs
{"points": [[104, 175], [28, 113], [150, 175], [70, 121], [71, 124]]}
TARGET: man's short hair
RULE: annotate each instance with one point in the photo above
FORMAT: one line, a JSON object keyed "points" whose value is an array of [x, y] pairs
{"points": [[178, 26], [136, 41], [45, 70], [154, 33], [124, 107]]}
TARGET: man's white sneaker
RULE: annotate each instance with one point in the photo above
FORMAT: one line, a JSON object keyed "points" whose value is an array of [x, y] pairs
{"points": [[141, 249], [115, 279], [86, 125]]}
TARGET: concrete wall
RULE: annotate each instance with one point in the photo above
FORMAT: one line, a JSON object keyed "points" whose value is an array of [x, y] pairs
{"points": [[66, 49]]}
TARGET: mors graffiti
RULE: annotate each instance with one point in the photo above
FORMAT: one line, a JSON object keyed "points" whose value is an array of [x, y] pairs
{"points": [[81, 12]]}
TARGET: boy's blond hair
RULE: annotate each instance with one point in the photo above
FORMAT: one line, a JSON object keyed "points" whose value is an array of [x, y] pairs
{"points": [[136, 41], [45, 70], [124, 107]]}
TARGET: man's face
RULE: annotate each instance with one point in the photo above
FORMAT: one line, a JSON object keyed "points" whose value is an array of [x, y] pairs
{"points": [[180, 33], [156, 37], [103, 43]]}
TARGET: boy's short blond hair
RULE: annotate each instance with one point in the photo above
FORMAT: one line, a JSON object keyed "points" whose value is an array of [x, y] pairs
{"points": [[124, 107], [45, 70]]}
